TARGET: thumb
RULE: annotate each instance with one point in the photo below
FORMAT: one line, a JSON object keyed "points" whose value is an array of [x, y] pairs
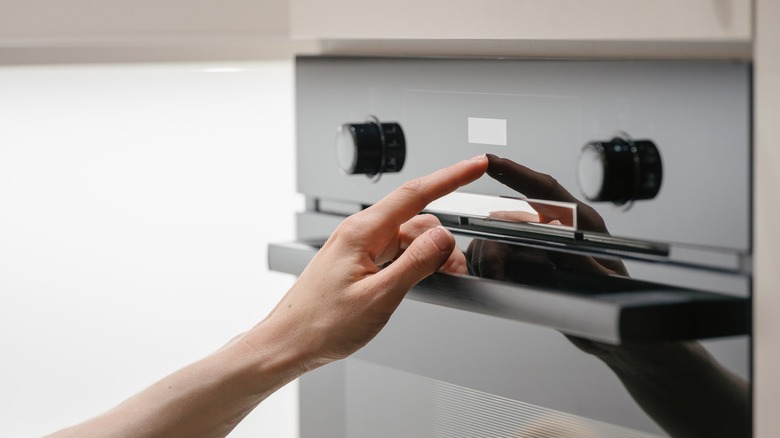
{"points": [[426, 254]]}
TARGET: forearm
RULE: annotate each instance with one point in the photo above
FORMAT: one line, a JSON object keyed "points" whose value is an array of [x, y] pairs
{"points": [[205, 399]]}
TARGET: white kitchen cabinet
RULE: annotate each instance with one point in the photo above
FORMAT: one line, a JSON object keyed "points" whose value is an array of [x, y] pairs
{"points": [[669, 28], [766, 214], [144, 30]]}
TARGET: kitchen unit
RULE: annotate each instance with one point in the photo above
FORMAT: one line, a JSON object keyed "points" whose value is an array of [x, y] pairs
{"points": [[598, 95], [629, 137]]}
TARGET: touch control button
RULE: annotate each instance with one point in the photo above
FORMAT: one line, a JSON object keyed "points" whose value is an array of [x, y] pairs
{"points": [[370, 148], [620, 170]]}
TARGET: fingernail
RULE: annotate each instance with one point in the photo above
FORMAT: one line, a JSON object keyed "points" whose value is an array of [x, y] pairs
{"points": [[479, 157], [441, 238]]}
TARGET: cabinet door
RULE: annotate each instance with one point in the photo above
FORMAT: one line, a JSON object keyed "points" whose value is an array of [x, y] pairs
{"points": [[140, 18], [602, 21], [53, 30]]}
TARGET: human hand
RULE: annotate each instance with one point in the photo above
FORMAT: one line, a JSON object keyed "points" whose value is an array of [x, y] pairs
{"points": [[339, 303], [344, 297]]}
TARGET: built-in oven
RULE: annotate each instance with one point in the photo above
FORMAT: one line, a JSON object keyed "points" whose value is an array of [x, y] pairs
{"points": [[608, 248]]}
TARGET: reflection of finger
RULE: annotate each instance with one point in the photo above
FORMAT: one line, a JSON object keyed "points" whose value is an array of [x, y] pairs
{"points": [[490, 259], [402, 204], [514, 216], [549, 213], [529, 182], [538, 185], [519, 217]]}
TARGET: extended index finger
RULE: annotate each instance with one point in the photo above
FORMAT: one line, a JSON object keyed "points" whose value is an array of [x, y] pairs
{"points": [[413, 196]]}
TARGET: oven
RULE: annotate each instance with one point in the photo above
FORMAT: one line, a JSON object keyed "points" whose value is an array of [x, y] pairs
{"points": [[609, 249]]}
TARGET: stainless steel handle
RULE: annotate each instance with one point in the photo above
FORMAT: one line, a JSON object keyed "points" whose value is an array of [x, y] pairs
{"points": [[642, 314]]}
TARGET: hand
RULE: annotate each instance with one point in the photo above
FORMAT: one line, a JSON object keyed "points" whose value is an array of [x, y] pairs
{"points": [[344, 297]]}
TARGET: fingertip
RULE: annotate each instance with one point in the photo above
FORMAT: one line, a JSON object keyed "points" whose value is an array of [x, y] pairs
{"points": [[476, 165], [442, 239], [482, 159]]}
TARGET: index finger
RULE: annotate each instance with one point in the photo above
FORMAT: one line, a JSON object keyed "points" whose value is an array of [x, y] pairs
{"points": [[413, 196]]}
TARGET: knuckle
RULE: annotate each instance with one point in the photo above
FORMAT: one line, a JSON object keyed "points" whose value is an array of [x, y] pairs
{"points": [[414, 188], [413, 184], [428, 220], [411, 187], [348, 228], [549, 180], [348, 225]]}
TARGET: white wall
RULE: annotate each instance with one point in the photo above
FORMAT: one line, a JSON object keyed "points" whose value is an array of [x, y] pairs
{"points": [[136, 203]]}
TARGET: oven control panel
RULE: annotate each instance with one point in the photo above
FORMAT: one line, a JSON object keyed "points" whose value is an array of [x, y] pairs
{"points": [[660, 149]]}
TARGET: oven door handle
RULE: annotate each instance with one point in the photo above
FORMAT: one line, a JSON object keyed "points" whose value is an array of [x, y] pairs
{"points": [[648, 314]]}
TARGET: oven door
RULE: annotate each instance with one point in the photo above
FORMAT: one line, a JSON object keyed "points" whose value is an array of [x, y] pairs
{"points": [[468, 356]]}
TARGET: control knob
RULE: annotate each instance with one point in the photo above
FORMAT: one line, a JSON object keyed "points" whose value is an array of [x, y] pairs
{"points": [[370, 148], [620, 170]]}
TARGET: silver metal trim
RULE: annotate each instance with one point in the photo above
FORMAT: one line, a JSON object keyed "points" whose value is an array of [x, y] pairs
{"points": [[641, 314]]}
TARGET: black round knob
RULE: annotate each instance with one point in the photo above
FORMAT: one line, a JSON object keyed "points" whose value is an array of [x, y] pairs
{"points": [[620, 170], [370, 148]]}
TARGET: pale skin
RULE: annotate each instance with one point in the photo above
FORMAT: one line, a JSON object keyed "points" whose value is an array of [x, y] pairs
{"points": [[339, 303]]}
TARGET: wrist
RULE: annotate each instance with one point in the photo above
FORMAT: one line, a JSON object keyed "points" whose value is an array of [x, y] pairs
{"points": [[267, 358]]}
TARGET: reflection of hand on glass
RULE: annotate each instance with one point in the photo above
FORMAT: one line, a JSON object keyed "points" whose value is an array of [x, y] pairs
{"points": [[511, 262], [679, 384]]}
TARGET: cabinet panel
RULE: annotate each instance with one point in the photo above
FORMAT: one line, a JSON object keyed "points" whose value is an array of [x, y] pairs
{"points": [[34, 31], [122, 18], [766, 238], [659, 20]]}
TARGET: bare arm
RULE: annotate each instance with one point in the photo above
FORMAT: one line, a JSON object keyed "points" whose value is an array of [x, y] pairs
{"points": [[205, 399], [339, 303]]}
